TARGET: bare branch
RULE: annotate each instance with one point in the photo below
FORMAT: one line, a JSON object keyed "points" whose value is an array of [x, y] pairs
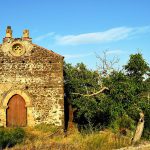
{"points": [[93, 94], [105, 66]]}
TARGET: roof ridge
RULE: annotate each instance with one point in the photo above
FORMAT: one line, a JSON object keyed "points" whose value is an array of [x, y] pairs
{"points": [[47, 50]]}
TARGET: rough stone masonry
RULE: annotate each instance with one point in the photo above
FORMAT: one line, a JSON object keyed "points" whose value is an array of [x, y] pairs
{"points": [[35, 74]]}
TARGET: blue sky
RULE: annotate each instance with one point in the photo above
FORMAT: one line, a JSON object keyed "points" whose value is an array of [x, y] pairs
{"points": [[80, 29]]}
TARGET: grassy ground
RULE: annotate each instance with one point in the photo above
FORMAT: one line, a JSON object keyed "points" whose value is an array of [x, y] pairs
{"points": [[45, 137]]}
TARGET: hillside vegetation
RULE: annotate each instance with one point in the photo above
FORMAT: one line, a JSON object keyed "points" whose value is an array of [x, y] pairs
{"points": [[109, 97]]}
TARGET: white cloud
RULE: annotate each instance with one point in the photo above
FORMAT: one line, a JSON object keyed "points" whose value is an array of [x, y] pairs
{"points": [[70, 56], [42, 37], [114, 34], [111, 35], [115, 52]]}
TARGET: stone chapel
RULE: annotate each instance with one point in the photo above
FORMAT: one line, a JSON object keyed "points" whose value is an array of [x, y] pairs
{"points": [[31, 83]]}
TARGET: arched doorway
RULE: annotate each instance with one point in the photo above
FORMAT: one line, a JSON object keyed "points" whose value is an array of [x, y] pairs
{"points": [[16, 113]]}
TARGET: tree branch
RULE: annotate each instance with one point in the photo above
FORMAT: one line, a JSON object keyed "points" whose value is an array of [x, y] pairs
{"points": [[93, 94]]}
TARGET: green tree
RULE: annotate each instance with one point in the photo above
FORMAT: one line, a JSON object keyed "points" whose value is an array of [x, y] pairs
{"points": [[102, 99], [129, 90], [83, 92], [137, 67]]}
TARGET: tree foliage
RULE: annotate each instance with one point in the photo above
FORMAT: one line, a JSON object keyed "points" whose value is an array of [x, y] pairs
{"points": [[137, 67], [80, 80], [124, 97]]}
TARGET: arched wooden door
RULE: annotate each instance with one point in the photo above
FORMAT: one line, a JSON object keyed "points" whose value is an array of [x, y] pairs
{"points": [[16, 114]]}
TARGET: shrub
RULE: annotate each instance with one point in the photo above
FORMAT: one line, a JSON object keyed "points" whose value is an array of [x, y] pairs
{"points": [[11, 137], [123, 124]]}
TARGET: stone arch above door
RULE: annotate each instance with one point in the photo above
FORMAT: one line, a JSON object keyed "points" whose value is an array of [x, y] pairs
{"points": [[19, 92]]}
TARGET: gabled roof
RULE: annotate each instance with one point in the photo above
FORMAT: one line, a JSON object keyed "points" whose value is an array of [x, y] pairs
{"points": [[48, 51]]}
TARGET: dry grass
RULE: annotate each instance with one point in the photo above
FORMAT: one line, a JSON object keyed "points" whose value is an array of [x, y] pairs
{"points": [[105, 140], [39, 140]]}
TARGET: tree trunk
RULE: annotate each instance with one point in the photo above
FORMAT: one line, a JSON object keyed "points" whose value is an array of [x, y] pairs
{"points": [[139, 129]]}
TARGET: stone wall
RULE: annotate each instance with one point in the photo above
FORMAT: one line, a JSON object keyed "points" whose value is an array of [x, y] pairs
{"points": [[38, 72]]}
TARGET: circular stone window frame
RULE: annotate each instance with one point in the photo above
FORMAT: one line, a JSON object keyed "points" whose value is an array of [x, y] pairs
{"points": [[22, 52]]}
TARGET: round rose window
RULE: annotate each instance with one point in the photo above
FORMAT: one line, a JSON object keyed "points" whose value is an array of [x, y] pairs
{"points": [[17, 49]]}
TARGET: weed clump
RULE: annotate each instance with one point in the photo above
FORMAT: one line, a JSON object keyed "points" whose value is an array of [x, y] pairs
{"points": [[46, 127], [11, 137]]}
